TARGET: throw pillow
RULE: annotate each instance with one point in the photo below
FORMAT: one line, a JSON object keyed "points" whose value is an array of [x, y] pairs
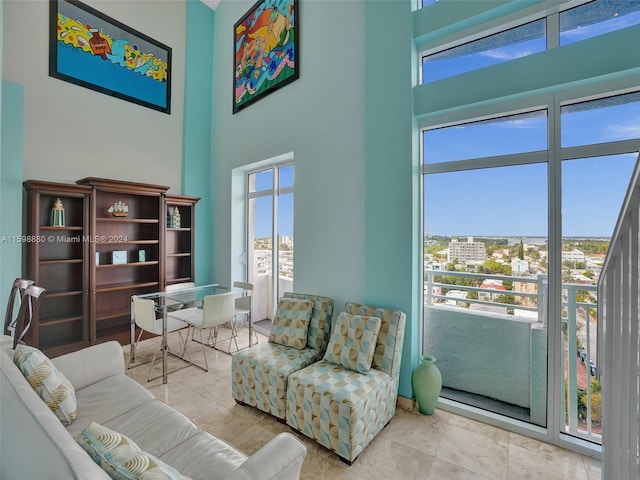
{"points": [[121, 458], [353, 341], [48, 382], [291, 323]]}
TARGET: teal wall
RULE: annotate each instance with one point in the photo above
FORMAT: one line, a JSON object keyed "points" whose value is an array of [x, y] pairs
{"points": [[196, 161], [320, 118], [391, 173], [11, 182]]}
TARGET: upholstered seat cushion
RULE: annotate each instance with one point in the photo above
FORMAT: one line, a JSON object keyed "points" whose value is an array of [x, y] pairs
{"points": [[340, 408], [259, 374], [107, 399], [215, 458], [154, 426]]}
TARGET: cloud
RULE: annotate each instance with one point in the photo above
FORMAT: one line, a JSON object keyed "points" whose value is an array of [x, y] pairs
{"points": [[624, 130], [507, 53]]}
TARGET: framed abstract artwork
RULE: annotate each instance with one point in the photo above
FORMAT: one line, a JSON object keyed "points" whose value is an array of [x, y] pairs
{"points": [[265, 50], [90, 49]]}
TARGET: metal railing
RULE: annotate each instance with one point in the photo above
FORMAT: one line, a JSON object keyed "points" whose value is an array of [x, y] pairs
{"points": [[577, 424], [579, 305], [619, 342]]}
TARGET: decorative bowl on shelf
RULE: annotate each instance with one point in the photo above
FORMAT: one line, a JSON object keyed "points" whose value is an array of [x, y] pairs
{"points": [[118, 209]]}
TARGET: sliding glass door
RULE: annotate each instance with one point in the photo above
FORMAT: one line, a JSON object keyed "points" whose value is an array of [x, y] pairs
{"points": [[270, 239]]}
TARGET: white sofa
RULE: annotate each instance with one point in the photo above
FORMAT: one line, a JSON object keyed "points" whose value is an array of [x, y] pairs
{"points": [[35, 445]]}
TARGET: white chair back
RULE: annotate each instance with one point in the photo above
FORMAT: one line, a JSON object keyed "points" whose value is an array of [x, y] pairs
{"points": [[243, 285], [179, 286], [218, 309], [145, 315], [243, 304]]}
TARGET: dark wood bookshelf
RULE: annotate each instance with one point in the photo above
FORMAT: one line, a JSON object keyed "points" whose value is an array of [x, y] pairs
{"points": [[88, 297], [58, 263]]}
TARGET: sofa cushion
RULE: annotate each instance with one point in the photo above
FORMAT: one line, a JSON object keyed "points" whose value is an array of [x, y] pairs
{"points": [[48, 382], [291, 323], [31, 430], [154, 426], [353, 341], [204, 456], [121, 458], [107, 399]]}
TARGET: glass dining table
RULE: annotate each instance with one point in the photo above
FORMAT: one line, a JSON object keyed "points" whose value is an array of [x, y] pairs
{"points": [[165, 302]]}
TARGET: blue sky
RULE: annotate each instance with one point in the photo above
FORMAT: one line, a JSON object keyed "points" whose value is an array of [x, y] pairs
{"points": [[263, 205], [512, 201]]}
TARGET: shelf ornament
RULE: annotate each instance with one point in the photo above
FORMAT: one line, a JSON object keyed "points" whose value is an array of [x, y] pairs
{"points": [[175, 218], [118, 209], [57, 214]]}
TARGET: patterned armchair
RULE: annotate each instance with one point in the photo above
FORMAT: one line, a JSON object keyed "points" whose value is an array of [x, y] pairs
{"points": [[341, 408], [259, 374]]}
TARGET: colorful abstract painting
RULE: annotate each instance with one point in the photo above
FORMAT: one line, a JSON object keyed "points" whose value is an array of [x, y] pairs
{"points": [[265, 50], [93, 50]]}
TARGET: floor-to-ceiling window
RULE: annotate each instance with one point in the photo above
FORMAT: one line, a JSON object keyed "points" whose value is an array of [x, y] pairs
{"points": [[520, 197], [270, 238]]}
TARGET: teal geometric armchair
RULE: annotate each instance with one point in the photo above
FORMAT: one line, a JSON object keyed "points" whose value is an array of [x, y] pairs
{"points": [[259, 374], [343, 409]]}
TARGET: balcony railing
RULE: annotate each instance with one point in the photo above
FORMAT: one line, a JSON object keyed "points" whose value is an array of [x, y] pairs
{"points": [[619, 288], [518, 332]]}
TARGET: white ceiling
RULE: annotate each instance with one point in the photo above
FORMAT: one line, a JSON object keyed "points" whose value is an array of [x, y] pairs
{"points": [[213, 4]]}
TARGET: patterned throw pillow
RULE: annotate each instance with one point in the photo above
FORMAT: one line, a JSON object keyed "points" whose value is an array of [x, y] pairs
{"points": [[121, 458], [48, 382], [353, 341], [291, 323]]}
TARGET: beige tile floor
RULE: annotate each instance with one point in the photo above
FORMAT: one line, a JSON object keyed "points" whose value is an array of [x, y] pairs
{"points": [[412, 446]]}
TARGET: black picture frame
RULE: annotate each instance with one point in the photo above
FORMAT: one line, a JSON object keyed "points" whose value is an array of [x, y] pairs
{"points": [[266, 46], [92, 50]]}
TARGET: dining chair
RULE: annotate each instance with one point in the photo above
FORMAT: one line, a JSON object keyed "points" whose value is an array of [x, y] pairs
{"points": [[243, 306], [182, 312], [144, 314], [216, 310], [13, 305], [29, 308]]}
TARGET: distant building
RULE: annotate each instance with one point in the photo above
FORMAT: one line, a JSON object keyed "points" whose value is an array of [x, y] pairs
{"points": [[595, 261], [491, 285], [466, 252], [499, 254], [518, 266], [574, 255], [527, 287], [453, 295]]}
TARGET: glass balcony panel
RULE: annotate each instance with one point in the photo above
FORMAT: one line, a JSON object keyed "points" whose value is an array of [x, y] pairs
{"points": [[501, 47], [597, 18], [588, 221], [285, 243], [260, 255], [485, 287], [525, 132]]}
